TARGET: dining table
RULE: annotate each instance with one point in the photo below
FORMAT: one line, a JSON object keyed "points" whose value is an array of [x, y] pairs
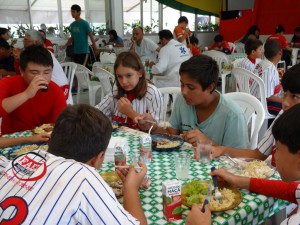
{"points": [[253, 209]]}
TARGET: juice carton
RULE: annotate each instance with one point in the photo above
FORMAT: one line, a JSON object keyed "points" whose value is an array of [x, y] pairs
{"points": [[172, 200], [120, 154], [146, 148]]}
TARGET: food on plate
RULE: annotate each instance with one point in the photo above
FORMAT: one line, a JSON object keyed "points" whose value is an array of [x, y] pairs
{"points": [[195, 192], [165, 143], [257, 169], [45, 128], [28, 148], [114, 181]]}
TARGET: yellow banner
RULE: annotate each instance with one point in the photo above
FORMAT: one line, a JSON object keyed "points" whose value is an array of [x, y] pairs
{"points": [[213, 6]]}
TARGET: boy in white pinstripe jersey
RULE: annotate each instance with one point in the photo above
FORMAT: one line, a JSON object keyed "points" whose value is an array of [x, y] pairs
{"points": [[63, 186]]}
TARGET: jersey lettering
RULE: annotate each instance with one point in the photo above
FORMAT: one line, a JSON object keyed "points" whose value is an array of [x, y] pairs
{"points": [[21, 207]]}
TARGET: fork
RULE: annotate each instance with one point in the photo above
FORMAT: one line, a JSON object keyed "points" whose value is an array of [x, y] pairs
{"points": [[218, 195]]}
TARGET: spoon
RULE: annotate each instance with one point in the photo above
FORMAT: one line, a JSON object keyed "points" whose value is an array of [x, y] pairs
{"points": [[235, 163]]}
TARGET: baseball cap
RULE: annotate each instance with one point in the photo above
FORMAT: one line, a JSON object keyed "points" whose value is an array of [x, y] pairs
{"points": [[4, 44]]}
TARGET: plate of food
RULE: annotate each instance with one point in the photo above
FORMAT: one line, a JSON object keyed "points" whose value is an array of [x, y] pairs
{"points": [[195, 191], [28, 148], [45, 128], [248, 167], [165, 142], [114, 181]]}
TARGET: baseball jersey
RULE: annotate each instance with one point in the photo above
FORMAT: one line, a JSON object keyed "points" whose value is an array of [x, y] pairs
{"points": [[151, 103], [40, 188], [248, 64]]}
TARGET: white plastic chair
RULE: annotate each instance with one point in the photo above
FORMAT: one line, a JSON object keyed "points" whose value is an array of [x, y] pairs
{"points": [[69, 68], [166, 92], [60, 55], [106, 78], [254, 113], [84, 76], [243, 79], [220, 57], [239, 47], [170, 79], [232, 46]]}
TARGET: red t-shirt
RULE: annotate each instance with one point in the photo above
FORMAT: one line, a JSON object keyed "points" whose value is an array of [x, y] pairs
{"points": [[224, 45], [280, 38], [275, 188], [44, 107]]}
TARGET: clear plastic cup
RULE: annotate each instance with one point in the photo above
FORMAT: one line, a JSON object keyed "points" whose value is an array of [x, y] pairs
{"points": [[182, 165], [203, 151]]}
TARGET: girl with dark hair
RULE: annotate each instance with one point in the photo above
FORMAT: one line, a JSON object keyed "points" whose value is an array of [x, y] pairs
{"points": [[132, 95], [114, 39], [5, 34], [253, 33]]}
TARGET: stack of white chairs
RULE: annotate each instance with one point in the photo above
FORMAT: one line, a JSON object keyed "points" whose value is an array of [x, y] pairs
{"points": [[69, 68], [239, 47]]}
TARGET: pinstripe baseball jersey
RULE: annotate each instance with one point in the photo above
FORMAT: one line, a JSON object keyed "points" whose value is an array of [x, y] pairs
{"points": [[248, 65], [151, 103], [268, 141], [40, 188], [270, 77]]}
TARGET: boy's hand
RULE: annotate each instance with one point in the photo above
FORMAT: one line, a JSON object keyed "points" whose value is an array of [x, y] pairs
{"points": [[38, 82]]}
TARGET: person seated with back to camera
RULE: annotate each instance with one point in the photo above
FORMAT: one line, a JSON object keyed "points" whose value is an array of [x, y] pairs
{"points": [[32, 99], [114, 39], [170, 56], [254, 51], [64, 185], [200, 112], [267, 71], [252, 33], [219, 44], [132, 95], [295, 42]]}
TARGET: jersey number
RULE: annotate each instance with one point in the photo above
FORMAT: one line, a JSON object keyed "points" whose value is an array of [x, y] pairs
{"points": [[21, 207]]}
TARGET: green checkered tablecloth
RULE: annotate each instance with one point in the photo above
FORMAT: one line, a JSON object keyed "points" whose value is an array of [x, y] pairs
{"points": [[254, 208]]}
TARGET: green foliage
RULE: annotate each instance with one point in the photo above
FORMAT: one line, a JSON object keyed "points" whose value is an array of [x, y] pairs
{"points": [[208, 27], [21, 30]]}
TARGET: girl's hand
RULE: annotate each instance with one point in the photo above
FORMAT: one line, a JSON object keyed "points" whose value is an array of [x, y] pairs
{"points": [[124, 106]]}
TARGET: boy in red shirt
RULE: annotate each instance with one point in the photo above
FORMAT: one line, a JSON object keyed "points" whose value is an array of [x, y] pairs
{"points": [[31, 99], [220, 45]]}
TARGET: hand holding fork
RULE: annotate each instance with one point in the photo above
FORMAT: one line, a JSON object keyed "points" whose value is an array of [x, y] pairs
{"points": [[218, 195]]}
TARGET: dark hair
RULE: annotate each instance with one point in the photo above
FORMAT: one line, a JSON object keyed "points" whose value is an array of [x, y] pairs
{"points": [[279, 29], [166, 34], [36, 54], [76, 8], [218, 38], [272, 47], [43, 36], [252, 44], [183, 19], [194, 40], [291, 79], [252, 30], [3, 30], [4, 43], [202, 69], [113, 33], [132, 60], [286, 129], [297, 29], [80, 133]]}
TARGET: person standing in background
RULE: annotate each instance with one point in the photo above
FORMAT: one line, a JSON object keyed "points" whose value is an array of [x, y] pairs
{"points": [[80, 30], [181, 31]]}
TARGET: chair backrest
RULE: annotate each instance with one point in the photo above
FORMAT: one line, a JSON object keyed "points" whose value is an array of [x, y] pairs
{"points": [[244, 78], [239, 47], [69, 68], [106, 78], [254, 113], [232, 46], [170, 79], [220, 57], [237, 63], [166, 92]]}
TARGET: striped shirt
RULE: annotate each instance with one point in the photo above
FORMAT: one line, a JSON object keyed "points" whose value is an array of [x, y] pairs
{"points": [[270, 77], [151, 103], [268, 141], [248, 65], [40, 188], [294, 219]]}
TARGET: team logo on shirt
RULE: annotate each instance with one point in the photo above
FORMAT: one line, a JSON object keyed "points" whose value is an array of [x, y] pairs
{"points": [[182, 50], [29, 167]]}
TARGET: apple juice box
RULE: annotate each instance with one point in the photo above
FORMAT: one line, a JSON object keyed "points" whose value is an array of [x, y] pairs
{"points": [[146, 148], [172, 200], [120, 154]]}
